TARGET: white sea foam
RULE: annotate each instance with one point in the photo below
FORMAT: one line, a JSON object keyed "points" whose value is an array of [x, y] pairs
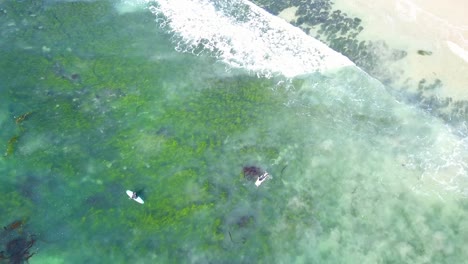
{"points": [[243, 35], [127, 6], [445, 163], [459, 51]]}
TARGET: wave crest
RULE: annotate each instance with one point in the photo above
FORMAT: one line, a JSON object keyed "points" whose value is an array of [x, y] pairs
{"points": [[243, 35]]}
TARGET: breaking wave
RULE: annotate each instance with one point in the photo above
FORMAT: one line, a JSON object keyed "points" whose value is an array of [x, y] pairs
{"points": [[243, 35]]}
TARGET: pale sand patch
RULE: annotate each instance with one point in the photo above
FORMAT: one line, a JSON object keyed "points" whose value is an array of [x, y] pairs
{"points": [[430, 25], [453, 11], [458, 50], [289, 14]]}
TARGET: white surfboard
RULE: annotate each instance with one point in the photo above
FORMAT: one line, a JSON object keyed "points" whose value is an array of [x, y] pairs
{"points": [[261, 179], [136, 199]]}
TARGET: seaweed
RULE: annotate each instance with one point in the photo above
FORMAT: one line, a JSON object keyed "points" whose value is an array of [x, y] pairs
{"points": [[108, 122], [11, 145], [16, 243], [245, 221], [18, 249], [12, 142], [424, 52], [15, 225], [19, 120]]}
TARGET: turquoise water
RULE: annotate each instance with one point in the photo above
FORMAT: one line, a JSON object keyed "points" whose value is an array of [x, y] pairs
{"points": [[100, 97]]}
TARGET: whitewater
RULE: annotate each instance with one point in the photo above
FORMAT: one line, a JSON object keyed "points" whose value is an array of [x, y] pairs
{"points": [[242, 35]]}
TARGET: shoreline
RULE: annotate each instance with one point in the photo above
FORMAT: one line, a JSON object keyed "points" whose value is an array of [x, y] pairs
{"points": [[414, 26], [437, 46]]}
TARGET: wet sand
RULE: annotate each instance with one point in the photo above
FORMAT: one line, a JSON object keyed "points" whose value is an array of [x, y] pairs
{"points": [[430, 27], [440, 28]]}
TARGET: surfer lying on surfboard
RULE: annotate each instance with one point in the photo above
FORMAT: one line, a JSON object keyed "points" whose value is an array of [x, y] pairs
{"points": [[254, 173], [261, 178]]}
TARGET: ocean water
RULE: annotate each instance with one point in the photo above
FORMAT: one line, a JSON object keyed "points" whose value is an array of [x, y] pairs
{"points": [[174, 99]]}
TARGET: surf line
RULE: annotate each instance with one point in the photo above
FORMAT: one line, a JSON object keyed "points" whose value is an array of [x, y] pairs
{"points": [[243, 35]]}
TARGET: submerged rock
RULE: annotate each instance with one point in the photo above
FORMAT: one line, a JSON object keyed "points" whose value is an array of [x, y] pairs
{"points": [[424, 52], [16, 243], [251, 173], [244, 221]]}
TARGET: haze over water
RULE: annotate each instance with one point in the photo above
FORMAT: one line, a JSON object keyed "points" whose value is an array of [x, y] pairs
{"points": [[174, 100]]}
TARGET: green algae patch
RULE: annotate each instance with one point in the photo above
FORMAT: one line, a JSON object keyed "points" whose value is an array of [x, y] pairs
{"points": [[15, 206], [107, 118], [424, 52], [11, 145]]}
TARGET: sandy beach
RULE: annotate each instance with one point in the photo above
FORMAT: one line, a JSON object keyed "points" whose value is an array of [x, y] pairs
{"points": [[440, 28], [412, 25]]}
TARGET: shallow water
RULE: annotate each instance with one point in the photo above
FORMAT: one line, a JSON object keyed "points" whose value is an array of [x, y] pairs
{"points": [[100, 97], [413, 47]]}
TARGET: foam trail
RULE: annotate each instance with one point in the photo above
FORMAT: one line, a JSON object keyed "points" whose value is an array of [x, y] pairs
{"points": [[459, 51], [243, 35], [445, 162]]}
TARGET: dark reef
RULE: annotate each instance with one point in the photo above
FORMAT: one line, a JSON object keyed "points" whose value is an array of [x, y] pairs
{"points": [[16, 243], [424, 52]]}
